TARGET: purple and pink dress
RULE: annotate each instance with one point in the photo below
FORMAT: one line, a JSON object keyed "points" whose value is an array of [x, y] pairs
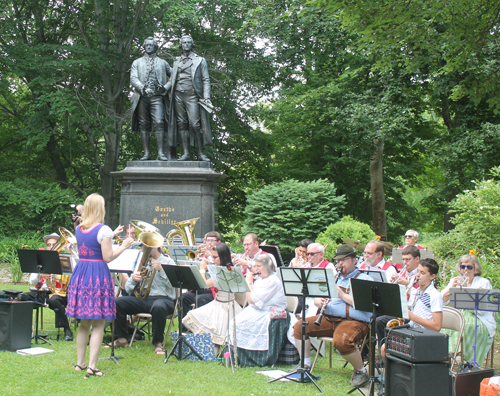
{"points": [[91, 288]]}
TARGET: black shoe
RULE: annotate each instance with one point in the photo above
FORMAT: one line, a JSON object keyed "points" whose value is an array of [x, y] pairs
{"points": [[68, 335]]}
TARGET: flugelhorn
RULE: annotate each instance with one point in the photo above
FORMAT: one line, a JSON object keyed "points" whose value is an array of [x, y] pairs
{"points": [[185, 230], [150, 241], [400, 274]]}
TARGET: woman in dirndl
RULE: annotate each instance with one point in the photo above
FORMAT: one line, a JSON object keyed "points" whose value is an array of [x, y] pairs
{"points": [[91, 289], [470, 269]]}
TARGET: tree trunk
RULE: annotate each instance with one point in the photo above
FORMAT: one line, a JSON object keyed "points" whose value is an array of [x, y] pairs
{"points": [[377, 189]]}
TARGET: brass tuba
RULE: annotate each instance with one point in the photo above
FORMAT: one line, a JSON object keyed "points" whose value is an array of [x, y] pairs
{"points": [[150, 240], [58, 284], [185, 230]]}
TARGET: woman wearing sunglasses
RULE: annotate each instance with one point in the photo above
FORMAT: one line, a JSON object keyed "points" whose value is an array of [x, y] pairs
{"points": [[470, 270]]}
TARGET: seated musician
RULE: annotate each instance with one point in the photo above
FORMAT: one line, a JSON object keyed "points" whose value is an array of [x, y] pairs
{"points": [[213, 318], [300, 258], [374, 260], [470, 269], [259, 336], [57, 284], [252, 250], [425, 303], [411, 239], [316, 259], [159, 303], [341, 321], [407, 277], [202, 297]]}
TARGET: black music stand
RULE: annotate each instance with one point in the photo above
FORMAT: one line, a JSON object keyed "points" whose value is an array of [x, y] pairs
{"points": [[381, 299], [183, 277], [306, 282], [112, 356], [40, 261], [275, 252]]}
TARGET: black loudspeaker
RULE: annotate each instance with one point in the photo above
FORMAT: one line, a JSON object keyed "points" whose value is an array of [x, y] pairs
{"points": [[403, 378], [468, 382], [15, 325]]}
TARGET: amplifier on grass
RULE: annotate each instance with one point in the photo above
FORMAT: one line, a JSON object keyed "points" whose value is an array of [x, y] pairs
{"points": [[417, 345], [468, 382]]}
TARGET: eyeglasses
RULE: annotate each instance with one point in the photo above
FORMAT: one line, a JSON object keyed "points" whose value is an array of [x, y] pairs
{"points": [[50, 245], [407, 259], [466, 266], [409, 236], [342, 259], [311, 254]]}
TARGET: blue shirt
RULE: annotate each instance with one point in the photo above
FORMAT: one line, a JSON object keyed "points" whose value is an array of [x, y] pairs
{"points": [[337, 306]]}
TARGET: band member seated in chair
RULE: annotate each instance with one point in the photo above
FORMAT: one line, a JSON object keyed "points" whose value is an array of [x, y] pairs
{"points": [[204, 296], [57, 285], [407, 278], [374, 260], [262, 326], [213, 318], [425, 303], [341, 321], [160, 303]]}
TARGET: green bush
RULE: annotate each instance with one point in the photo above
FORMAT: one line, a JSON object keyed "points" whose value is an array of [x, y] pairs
{"points": [[285, 213], [477, 228], [347, 227]]}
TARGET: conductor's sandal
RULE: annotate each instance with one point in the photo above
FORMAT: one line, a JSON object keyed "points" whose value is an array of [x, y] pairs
{"points": [[94, 372]]}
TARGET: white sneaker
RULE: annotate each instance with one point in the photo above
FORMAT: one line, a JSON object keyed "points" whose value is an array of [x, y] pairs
{"points": [[359, 378]]}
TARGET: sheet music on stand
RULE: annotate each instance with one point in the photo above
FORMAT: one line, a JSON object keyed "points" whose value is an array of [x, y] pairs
{"points": [[275, 252], [126, 261], [377, 275], [477, 300], [467, 298], [320, 282], [228, 279], [178, 252]]}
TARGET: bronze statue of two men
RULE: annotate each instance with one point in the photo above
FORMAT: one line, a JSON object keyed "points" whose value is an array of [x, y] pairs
{"points": [[172, 102]]}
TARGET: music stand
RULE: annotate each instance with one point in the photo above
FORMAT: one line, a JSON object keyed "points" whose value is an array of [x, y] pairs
{"points": [[306, 282], [124, 263], [230, 280], [380, 298], [477, 300], [183, 277], [46, 261], [275, 252]]}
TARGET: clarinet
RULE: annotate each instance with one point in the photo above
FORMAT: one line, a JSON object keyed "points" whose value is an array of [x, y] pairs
{"points": [[318, 320]]}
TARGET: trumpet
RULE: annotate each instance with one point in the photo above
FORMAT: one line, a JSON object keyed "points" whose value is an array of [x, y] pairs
{"points": [[463, 281], [395, 323], [318, 320], [400, 274]]}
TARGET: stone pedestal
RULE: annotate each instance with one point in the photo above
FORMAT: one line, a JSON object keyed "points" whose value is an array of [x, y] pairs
{"points": [[165, 192]]}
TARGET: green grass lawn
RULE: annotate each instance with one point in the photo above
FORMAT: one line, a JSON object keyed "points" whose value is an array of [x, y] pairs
{"points": [[142, 372]]}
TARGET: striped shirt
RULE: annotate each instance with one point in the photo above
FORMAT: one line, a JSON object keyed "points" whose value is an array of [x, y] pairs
{"points": [[423, 304]]}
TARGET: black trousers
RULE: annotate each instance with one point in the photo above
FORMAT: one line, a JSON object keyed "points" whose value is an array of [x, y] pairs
{"points": [[58, 305], [188, 299], [158, 306], [380, 325]]}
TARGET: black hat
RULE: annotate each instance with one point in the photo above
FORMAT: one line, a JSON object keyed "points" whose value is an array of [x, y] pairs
{"points": [[344, 251]]}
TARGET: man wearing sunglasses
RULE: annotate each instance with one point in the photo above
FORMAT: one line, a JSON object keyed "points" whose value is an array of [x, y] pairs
{"points": [[316, 256], [411, 239]]}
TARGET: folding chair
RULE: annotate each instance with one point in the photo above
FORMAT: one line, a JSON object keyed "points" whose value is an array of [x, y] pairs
{"points": [[454, 320]]}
